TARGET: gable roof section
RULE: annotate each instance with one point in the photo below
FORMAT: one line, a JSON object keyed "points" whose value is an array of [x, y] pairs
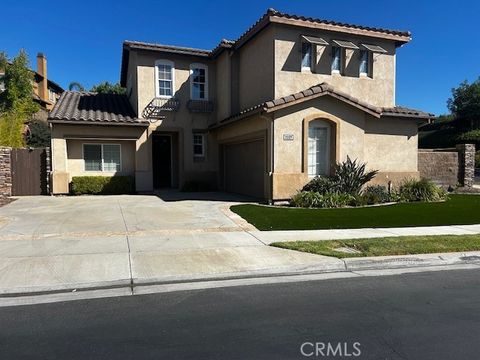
{"points": [[77, 107], [322, 90], [271, 16]]}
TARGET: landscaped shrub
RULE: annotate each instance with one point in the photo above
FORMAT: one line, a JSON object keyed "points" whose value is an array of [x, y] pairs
{"points": [[312, 199], [350, 176], [376, 194], [105, 185], [196, 186], [472, 136], [421, 190], [320, 184]]}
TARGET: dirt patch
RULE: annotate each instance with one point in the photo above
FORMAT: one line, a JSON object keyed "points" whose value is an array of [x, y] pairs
{"points": [[6, 200]]}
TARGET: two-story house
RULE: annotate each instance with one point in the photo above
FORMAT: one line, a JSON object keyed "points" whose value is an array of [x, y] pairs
{"points": [[259, 116]]}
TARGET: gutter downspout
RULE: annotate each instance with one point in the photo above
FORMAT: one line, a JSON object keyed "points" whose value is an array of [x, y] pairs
{"points": [[271, 165]]}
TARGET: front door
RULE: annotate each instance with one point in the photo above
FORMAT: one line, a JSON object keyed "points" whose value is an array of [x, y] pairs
{"points": [[162, 161]]}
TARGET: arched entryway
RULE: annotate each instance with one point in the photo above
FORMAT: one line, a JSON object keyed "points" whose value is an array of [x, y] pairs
{"points": [[320, 146]]}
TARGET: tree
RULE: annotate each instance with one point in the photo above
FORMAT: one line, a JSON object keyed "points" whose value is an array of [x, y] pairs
{"points": [[465, 104], [39, 134], [16, 102], [108, 88], [75, 86]]}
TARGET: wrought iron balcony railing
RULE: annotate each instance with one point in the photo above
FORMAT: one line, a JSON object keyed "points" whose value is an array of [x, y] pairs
{"points": [[200, 106], [157, 107]]}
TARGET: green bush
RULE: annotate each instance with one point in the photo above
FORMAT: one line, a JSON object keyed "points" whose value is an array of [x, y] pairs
{"points": [[104, 185], [376, 194], [320, 184], [472, 136], [421, 190], [350, 176], [312, 199], [196, 186]]}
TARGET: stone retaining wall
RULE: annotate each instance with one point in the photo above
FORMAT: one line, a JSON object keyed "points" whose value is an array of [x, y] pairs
{"points": [[448, 167], [5, 172]]}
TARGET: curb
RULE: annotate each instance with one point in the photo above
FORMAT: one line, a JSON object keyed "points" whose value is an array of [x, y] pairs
{"points": [[342, 266]]}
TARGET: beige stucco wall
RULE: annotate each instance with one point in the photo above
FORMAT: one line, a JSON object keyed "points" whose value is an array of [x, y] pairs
{"points": [[255, 70], [76, 164], [223, 85], [378, 90], [183, 123], [387, 144], [67, 159]]}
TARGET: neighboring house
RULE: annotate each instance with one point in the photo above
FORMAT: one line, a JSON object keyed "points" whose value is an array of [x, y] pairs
{"points": [[45, 92], [258, 116]]}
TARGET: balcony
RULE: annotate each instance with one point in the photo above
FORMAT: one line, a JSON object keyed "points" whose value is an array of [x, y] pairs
{"points": [[157, 108], [200, 106]]}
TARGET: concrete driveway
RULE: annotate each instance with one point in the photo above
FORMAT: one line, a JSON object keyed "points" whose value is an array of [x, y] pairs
{"points": [[64, 243]]}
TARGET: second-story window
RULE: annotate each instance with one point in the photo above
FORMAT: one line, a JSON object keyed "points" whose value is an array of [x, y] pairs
{"points": [[364, 63], [306, 55], [164, 71], [336, 59], [198, 82]]}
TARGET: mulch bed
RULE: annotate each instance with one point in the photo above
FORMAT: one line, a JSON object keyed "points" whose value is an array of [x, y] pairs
{"points": [[6, 200]]}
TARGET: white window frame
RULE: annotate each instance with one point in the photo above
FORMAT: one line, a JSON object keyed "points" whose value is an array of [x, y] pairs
{"points": [[102, 158], [306, 68], [203, 144], [199, 66], [340, 61], [51, 95], [157, 80], [369, 59], [323, 125]]}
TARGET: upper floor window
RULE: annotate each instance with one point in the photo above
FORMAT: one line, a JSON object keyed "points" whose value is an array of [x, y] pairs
{"points": [[51, 96], [364, 62], [165, 78], [336, 59], [198, 82], [306, 55]]}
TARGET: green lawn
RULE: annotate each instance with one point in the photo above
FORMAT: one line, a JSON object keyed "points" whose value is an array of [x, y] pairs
{"points": [[459, 210], [403, 245]]}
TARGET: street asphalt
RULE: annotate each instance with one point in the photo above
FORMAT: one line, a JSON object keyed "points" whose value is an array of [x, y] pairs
{"points": [[429, 315]]}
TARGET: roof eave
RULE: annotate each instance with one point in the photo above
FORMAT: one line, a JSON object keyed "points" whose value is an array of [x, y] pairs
{"points": [[90, 122]]}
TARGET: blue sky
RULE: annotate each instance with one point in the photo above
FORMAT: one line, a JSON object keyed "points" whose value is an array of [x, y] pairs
{"points": [[83, 39]]}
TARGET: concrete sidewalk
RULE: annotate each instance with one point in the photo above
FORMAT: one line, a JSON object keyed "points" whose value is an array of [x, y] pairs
{"points": [[269, 237], [124, 242]]}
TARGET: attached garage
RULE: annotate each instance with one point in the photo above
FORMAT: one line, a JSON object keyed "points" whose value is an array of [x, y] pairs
{"points": [[245, 168]]}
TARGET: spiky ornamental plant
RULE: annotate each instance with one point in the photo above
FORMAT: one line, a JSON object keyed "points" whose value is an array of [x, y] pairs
{"points": [[350, 176]]}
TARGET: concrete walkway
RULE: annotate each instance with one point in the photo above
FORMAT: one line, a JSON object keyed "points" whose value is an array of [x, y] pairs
{"points": [[55, 244]]}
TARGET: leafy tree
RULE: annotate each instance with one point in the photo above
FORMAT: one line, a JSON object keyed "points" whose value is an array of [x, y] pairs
{"points": [[16, 102], [108, 88], [39, 135], [75, 86], [465, 104]]}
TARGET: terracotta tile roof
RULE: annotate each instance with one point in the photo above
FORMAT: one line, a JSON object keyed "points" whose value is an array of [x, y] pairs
{"points": [[88, 107], [404, 111], [322, 90], [166, 48]]}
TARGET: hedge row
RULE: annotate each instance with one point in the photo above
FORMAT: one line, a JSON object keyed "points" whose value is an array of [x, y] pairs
{"points": [[104, 185]]}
